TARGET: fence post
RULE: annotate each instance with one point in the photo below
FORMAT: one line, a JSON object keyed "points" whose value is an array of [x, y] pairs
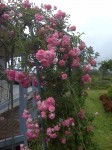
{"points": [[34, 104], [22, 106]]}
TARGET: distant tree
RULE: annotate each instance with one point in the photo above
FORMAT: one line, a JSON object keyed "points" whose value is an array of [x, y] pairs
{"points": [[105, 67]]}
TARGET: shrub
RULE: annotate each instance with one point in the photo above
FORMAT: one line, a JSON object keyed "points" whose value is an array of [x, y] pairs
{"points": [[62, 62], [106, 102]]}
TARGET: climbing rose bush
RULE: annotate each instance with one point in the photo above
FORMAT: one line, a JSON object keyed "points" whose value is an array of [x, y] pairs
{"points": [[57, 62]]}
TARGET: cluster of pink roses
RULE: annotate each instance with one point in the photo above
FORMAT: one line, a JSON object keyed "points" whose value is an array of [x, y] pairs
{"points": [[21, 77], [26, 4], [60, 15], [9, 14], [66, 41], [47, 107], [53, 41], [39, 17], [68, 122], [48, 7], [52, 133], [33, 128], [46, 57]]}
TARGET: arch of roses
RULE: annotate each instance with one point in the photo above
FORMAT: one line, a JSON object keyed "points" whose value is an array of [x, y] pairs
{"points": [[57, 62]]}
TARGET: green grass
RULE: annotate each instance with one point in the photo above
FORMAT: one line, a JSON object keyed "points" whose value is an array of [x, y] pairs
{"points": [[103, 122]]}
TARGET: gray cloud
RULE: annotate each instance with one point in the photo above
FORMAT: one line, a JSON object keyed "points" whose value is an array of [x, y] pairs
{"points": [[98, 34]]}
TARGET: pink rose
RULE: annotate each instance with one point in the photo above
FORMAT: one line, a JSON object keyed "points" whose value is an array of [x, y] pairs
{"points": [[50, 101], [87, 68], [64, 76], [82, 46], [72, 28], [37, 97], [25, 114], [40, 54], [63, 140], [39, 17], [52, 116], [19, 76], [51, 108], [11, 74], [43, 114], [93, 62], [53, 135], [48, 6], [26, 83], [55, 7], [49, 131], [60, 15], [62, 63], [6, 16], [56, 128], [86, 78], [65, 56], [27, 4]]}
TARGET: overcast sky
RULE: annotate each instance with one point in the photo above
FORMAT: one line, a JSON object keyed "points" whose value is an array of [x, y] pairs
{"points": [[94, 18]]}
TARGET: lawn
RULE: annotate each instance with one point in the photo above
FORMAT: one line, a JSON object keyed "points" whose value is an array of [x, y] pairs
{"points": [[103, 122]]}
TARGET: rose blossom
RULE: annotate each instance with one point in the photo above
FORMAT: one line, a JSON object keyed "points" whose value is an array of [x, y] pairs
{"points": [[56, 128], [48, 6], [50, 101], [62, 63], [51, 108], [63, 140], [55, 7], [72, 28], [27, 4], [43, 114], [64, 76], [49, 131], [6, 16], [93, 62], [53, 135], [87, 68], [52, 116], [86, 78], [39, 17], [82, 46]]}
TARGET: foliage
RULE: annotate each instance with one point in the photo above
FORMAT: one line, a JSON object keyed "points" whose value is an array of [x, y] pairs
{"points": [[110, 92], [62, 62]]}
